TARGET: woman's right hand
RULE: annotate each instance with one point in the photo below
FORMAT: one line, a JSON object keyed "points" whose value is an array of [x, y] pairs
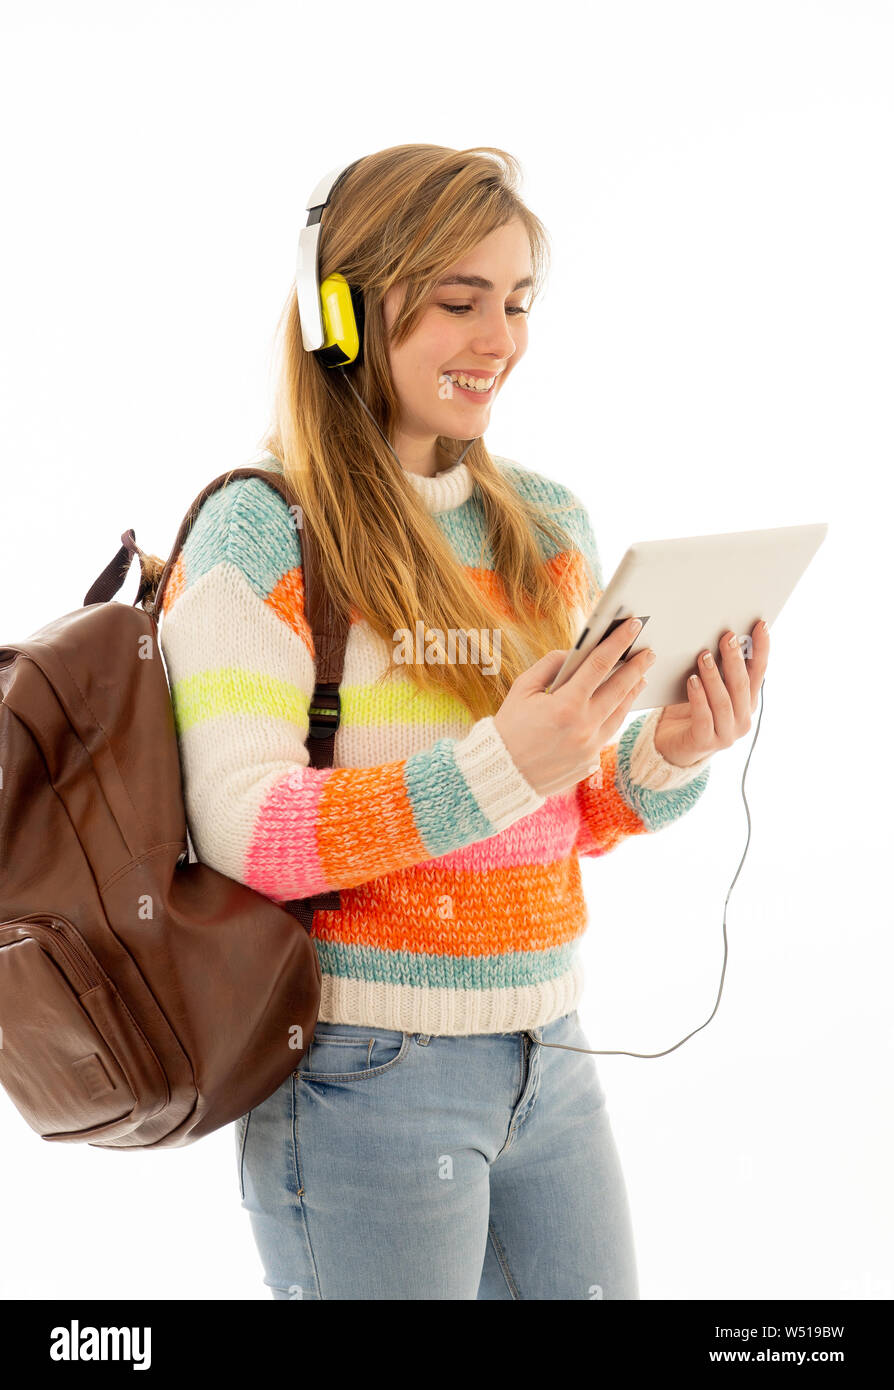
{"points": [[555, 739]]}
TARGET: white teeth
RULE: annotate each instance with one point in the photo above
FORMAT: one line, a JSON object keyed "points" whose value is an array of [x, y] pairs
{"points": [[460, 379]]}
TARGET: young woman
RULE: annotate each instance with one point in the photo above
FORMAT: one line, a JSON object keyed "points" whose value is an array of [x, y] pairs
{"points": [[441, 1137]]}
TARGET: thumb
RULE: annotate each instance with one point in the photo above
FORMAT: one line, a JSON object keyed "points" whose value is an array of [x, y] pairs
{"points": [[538, 676]]}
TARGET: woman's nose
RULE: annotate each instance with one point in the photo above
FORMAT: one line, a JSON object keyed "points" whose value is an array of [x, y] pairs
{"points": [[495, 340]]}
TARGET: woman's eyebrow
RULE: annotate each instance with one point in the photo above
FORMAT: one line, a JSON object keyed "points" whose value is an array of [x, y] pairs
{"points": [[478, 282]]}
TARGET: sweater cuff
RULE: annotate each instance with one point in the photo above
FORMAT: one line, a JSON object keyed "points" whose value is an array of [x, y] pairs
{"points": [[493, 778], [649, 769]]}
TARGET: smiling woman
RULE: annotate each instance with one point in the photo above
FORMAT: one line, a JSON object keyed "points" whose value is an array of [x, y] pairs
{"points": [[484, 334], [449, 977], [449, 260]]}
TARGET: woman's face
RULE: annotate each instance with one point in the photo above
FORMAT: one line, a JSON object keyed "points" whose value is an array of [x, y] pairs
{"points": [[478, 328]]}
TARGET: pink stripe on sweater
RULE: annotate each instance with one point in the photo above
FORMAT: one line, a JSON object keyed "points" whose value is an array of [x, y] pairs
{"points": [[283, 847], [543, 837]]}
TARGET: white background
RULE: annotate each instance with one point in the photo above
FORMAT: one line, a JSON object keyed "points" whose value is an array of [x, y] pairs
{"points": [[713, 352]]}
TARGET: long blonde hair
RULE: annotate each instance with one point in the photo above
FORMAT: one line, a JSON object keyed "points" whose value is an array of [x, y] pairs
{"points": [[406, 214]]}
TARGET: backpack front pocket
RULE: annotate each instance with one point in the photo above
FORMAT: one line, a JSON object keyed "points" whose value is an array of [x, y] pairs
{"points": [[66, 1039]]}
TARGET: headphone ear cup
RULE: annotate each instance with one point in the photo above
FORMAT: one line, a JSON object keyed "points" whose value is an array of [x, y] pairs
{"points": [[359, 315], [343, 329]]}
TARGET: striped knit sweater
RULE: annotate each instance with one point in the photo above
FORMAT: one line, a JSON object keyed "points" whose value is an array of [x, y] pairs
{"points": [[462, 901]]}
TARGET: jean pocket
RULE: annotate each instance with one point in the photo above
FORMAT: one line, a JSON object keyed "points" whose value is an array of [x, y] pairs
{"points": [[342, 1052]]}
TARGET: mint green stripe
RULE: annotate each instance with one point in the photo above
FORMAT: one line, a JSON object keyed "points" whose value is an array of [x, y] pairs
{"points": [[513, 969], [655, 809], [249, 524]]}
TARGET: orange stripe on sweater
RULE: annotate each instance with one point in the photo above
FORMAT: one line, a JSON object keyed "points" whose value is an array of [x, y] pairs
{"points": [[526, 909], [605, 812], [568, 572], [175, 583], [377, 797]]}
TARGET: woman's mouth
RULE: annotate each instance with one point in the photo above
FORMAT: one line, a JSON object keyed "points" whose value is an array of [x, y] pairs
{"points": [[470, 392]]}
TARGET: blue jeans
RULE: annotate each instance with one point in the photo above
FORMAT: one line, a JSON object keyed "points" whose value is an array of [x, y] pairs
{"points": [[396, 1165]]}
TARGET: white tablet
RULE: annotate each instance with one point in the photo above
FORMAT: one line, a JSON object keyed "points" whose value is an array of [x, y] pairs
{"points": [[687, 591]]}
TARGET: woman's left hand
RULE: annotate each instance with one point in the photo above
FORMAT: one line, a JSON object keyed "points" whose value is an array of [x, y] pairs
{"points": [[719, 708]]}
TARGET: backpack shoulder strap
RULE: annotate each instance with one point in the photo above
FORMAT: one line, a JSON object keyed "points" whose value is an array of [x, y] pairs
{"points": [[328, 622], [329, 625]]}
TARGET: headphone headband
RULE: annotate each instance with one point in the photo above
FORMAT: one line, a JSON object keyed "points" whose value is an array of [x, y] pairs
{"points": [[339, 302], [307, 275]]}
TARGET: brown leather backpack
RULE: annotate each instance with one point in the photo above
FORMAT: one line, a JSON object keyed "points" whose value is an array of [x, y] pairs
{"points": [[145, 1000]]}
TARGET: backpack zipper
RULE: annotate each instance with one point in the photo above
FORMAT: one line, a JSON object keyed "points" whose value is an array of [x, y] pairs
{"points": [[55, 929]]}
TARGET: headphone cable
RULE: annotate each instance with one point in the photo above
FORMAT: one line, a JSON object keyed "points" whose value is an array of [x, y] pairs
{"points": [[381, 431], [619, 1052]]}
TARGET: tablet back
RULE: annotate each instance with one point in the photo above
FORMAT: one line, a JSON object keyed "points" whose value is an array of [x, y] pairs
{"points": [[688, 590]]}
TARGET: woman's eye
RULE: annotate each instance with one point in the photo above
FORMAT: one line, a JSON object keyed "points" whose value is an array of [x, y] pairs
{"points": [[463, 308]]}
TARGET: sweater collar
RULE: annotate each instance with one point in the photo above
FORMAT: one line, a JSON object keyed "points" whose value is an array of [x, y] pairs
{"points": [[442, 493], [446, 490]]}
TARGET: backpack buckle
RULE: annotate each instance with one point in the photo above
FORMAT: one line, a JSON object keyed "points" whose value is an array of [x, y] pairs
{"points": [[324, 715]]}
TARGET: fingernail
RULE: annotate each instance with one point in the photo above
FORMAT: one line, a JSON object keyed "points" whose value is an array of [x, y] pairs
{"points": [[707, 658], [635, 625]]}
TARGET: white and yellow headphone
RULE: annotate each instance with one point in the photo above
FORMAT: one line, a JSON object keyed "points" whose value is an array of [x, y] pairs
{"points": [[332, 312]]}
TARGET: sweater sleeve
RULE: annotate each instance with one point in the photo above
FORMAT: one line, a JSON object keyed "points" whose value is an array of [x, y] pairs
{"points": [[239, 658], [634, 791]]}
